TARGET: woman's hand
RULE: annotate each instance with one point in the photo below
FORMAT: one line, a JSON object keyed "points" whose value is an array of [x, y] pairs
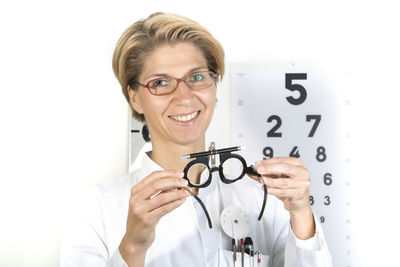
{"points": [[288, 179], [150, 200]]}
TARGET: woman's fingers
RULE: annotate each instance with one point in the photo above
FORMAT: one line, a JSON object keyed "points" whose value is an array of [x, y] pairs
{"points": [[160, 200], [290, 193], [157, 194], [289, 188], [287, 179], [157, 181], [286, 183], [281, 169], [155, 187], [158, 213], [289, 160]]}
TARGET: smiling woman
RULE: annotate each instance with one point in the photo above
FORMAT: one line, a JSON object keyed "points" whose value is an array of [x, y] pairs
{"points": [[167, 115], [168, 67], [142, 37]]}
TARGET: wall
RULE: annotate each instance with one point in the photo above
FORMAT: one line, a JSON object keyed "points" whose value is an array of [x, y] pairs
{"points": [[64, 122]]}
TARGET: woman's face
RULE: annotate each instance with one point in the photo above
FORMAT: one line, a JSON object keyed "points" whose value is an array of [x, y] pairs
{"points": [[183, 116]]}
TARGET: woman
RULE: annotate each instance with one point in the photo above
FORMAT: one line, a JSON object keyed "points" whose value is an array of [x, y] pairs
{"points": [[168, 67]]}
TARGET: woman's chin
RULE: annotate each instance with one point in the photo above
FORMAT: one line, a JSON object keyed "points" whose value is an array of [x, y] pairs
{"points": [[189, 139]]}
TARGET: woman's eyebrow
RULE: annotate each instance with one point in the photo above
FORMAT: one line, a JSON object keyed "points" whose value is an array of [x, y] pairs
{"points": [[167, 75], [196, 69], [157, 75]]}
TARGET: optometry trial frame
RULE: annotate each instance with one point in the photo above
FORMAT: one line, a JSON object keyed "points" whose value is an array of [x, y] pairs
{"points": [[225, 154]]}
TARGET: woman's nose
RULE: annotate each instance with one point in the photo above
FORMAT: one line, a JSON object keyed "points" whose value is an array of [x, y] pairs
{"points": [[183, 92]]}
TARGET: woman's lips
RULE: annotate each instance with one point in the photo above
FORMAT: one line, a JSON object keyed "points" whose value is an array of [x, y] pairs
{"points": [[185, 118]]}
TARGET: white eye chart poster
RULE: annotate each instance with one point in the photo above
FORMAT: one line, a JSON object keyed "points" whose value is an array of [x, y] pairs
{"points": [[282, 110]]}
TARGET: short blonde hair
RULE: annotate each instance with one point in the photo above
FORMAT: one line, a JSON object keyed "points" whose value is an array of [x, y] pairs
{"points": [[144, 36]]}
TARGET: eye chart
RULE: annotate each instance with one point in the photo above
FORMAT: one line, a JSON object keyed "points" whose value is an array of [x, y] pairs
{"points": [[295, 110]]}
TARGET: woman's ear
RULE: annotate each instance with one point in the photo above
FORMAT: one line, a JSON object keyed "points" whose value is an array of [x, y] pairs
{"points": [[134, 100]]}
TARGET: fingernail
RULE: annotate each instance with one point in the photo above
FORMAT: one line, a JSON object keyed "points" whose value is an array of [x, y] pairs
{"points": [[180, 173], [183, 182], [260, 169]]}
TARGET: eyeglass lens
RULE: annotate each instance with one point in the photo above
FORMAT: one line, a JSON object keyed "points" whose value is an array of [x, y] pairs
{"points": [[232, 168], [193, 174]]}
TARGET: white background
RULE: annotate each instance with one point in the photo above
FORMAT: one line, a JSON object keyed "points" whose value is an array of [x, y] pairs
{"points": [[64, 122]]}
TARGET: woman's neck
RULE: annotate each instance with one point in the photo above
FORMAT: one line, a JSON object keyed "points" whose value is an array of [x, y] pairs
{"points": [[168, 155]]}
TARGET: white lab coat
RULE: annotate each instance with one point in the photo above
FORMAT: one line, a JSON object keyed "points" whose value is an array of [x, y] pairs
{"points": [[96, 226]]}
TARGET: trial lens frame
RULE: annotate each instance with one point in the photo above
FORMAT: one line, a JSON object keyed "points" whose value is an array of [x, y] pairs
{"points": [[224, 155]]}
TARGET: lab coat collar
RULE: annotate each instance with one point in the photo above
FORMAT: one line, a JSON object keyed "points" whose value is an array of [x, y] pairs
{"points": [[147, 165]]}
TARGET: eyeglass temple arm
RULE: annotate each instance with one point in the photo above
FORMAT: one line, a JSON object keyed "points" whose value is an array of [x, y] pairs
{"points": [[201, 204], [264, 202], [252, 171]]}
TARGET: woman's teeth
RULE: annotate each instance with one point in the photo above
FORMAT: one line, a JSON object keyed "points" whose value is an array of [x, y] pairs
{"points": [[185, 118]]}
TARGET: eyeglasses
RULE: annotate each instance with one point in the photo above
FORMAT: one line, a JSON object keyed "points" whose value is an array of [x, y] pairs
{"points": [[226, 160], [196, 81]]}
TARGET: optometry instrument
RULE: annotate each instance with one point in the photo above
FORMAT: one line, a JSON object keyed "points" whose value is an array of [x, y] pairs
{"points": [[200, 164]]}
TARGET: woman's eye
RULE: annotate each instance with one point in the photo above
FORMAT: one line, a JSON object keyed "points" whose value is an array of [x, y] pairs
{"points": [[197, 77], [158, 83]]}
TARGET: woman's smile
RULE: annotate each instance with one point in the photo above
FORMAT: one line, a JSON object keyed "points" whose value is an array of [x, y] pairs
{"points": [[182, 116], [185, 119]]}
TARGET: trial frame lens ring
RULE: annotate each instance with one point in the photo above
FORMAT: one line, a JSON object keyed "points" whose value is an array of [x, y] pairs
{"points": [[199, 161], [228, 156]]}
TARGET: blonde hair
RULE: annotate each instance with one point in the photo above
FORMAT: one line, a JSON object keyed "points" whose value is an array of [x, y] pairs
{"points": [[144, 36]]}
